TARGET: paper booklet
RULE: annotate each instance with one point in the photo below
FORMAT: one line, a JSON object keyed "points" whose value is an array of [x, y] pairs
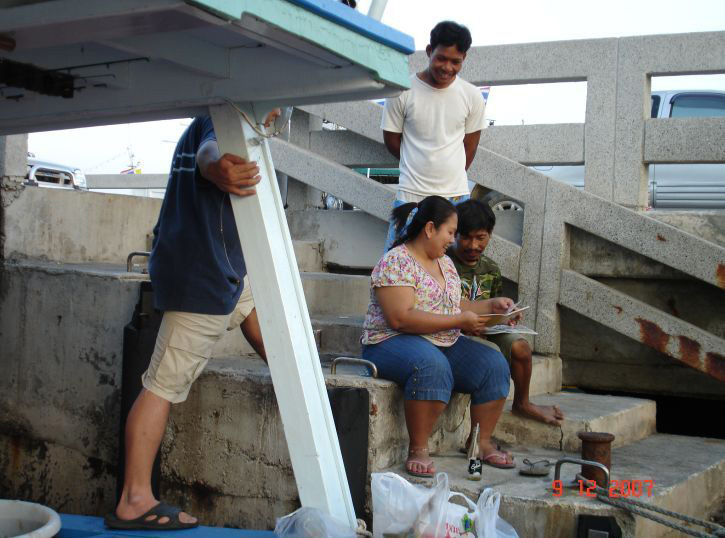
{"points": [[508, 329], [501, 319]]}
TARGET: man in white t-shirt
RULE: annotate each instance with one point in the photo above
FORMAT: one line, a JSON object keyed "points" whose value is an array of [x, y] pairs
{"points": [[434, 127]]}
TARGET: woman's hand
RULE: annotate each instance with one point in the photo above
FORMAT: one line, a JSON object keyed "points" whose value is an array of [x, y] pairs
{"points": [[471, 322]]}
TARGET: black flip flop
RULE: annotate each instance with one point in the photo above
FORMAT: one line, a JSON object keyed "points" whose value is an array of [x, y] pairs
{"points": [[112, 521], [536, 468]]}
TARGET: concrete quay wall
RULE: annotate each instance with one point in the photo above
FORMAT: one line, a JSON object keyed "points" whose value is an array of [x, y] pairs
{"points": [[61, 335], [63, 308]]}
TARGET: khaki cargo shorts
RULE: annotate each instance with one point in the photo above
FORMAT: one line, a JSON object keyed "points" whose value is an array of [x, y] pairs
{"points": [[184, 345]]}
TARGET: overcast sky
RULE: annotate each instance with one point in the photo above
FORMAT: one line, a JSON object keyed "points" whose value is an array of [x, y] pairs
{"points": [[107, 149]]}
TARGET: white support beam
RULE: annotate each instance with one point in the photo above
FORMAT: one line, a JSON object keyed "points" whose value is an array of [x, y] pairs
{"points": [[290, 345]]}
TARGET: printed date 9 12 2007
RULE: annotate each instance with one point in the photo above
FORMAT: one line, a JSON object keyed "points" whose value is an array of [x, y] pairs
{"points": [[617, 488]]}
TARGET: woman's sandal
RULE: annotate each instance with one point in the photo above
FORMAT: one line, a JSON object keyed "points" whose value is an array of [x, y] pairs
{"points": [[430, 473], [499, 460]]}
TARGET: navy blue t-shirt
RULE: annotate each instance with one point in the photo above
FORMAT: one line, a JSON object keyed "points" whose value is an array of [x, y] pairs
{"points": [[196, 261]]}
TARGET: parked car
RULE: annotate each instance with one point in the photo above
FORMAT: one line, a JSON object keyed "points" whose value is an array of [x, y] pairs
{"points": [[671, 186], [54, 175]]}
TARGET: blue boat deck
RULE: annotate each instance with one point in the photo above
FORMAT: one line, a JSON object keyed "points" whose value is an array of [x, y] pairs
{"points": [[93, 527]]}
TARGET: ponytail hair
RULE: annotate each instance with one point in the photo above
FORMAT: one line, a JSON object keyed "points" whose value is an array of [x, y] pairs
{"points": [[411, 218]]}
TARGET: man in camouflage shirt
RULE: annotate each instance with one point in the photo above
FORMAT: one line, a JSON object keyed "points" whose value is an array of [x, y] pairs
{"points": [[480, 280]]}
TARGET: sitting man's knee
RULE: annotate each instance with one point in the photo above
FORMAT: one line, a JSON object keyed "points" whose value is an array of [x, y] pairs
{"points": [[521, 350]]}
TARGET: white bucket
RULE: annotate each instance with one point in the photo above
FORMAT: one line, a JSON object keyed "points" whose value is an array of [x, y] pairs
{"points": [[19, 519]]}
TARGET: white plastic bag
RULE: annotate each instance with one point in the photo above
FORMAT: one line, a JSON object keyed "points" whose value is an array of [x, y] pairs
{"points": [[461, 520], [488, 522], [309, 522], [402, 509]]}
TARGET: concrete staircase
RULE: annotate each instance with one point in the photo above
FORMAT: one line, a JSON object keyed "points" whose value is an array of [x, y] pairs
{"points": [[245, 479]]}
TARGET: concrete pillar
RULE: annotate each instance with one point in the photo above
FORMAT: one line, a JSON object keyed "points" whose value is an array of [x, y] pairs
{"points": [[13, 165], [599, 128], [13, 155]]}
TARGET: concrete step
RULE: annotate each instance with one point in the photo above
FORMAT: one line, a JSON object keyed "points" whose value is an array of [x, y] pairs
{"points": [[688, 474], [629, 419], [231, 418], [308, 255], [336, 294], [225, 456], [352, 239], [245, 477], [339, 334]]}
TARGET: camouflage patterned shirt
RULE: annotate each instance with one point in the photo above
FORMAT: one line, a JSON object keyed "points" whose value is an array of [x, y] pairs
{"points": [[479, 282]]}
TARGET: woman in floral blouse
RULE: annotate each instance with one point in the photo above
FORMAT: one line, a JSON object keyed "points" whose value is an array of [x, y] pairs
{"points": [[412, 332]]}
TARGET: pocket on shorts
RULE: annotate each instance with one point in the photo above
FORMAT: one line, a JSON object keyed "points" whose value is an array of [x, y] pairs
{"points": [[194, 343], [185, 357]]}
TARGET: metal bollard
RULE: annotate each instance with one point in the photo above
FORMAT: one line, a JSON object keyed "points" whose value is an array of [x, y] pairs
{"points": [[596, 446]]}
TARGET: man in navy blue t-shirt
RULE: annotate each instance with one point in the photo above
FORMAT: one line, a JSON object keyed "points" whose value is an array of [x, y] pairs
{"points": [[200, 283]]}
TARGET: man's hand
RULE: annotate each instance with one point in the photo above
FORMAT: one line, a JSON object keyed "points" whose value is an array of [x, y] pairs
{"points": [[470, 145], [269, 120], [233, 174], [393, 142], [501, 305]]}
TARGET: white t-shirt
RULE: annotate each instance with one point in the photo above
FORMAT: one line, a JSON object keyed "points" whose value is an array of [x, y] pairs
{"points": [[433, 122]]}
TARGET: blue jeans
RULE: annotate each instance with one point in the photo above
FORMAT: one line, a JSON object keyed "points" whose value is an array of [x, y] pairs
{"points": [[430, 372], [390, 239]]}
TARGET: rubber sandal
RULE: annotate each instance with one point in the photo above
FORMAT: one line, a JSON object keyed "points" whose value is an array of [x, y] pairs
{"points": [[500, 464], [535, 468], [141, 523], [429, 474]]}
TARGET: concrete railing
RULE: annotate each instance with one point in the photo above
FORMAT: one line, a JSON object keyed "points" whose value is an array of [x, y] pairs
{"points": [[616, 143], [620, 137], [127, 181]]}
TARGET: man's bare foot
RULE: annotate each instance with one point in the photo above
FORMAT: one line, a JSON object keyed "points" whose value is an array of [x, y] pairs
{"points": [[419, 463], [548, 414], [133, 507]]}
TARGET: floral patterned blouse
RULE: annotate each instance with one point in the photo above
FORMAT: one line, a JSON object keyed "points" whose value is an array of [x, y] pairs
{"points": [[399, 268]]}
